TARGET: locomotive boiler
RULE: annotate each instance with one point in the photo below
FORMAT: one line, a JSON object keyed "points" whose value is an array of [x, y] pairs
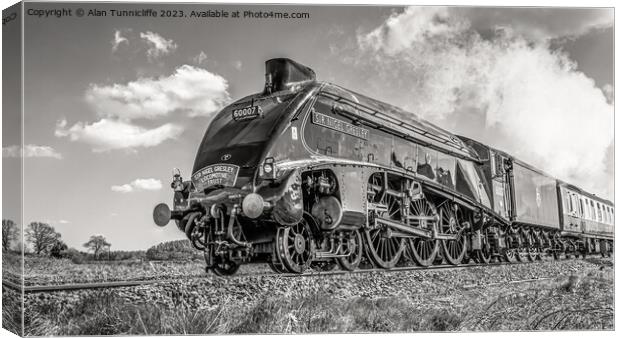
{"points": [[307, 174]]}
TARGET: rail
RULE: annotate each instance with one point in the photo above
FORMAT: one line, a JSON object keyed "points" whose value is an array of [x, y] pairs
{"points": [[119, 284]]}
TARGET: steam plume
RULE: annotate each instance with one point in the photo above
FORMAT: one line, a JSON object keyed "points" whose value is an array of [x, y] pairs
{"points": [[515, 94]]}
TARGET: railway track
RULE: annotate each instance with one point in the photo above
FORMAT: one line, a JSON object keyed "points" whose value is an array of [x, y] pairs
{"points": [[119, 284]]}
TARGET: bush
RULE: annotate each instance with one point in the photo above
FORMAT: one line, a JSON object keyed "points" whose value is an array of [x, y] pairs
{"points": [[172, 250], [74, 255]]}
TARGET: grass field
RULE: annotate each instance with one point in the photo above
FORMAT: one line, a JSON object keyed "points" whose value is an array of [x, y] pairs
{"points": [[578, 300]]}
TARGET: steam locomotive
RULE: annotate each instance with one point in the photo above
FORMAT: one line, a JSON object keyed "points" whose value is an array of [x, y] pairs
{"points": [[307, 174]]}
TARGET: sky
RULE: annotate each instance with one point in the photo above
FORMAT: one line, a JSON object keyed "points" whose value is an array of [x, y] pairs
{"points": [[112, 104]]}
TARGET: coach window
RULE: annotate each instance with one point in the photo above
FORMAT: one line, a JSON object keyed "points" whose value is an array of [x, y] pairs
{"points": [[575, 204], [586, 208], [581, 211], [593, 211], [426, 162], [608, 217], [608, 214], [571, 206], [599, 214]]}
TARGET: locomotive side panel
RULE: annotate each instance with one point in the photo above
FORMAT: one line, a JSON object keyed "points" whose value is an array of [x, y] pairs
{"points": [[536, 200]]}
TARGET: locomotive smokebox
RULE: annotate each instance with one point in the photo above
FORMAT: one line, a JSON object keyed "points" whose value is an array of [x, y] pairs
{"points": [[286, 74]]}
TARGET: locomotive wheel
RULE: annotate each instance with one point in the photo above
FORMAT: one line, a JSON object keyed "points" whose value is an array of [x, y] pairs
{"points": [[605, 252], [277, 267], [353, 245], [510, 255], [295, 246], [535, 254], [558, 251], [524, 254], [383, 250], [276, 263], [571, 250], [225, 267], [484, 255], [423, 251], [453, 250], [535, 245]]}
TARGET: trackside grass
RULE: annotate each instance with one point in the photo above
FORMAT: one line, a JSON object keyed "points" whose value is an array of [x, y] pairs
{"points": [[575, 302]]}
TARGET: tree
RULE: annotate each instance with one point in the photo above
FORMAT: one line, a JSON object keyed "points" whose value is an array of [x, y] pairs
{"points": [[42, 237], [58, 248], [9, 233], [96, 244]]}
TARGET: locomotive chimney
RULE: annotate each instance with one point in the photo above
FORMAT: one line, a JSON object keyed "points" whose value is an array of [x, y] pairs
{"points": [[286, 74]]}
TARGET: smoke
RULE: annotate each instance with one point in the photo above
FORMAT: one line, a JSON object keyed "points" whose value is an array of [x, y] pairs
{"points": [[512, 93]]}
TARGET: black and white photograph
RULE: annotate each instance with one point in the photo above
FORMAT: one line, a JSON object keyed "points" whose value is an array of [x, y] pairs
{"points": [[234, 168]]}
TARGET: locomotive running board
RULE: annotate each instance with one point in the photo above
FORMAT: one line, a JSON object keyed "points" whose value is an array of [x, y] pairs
{"points": [[407, 230]]}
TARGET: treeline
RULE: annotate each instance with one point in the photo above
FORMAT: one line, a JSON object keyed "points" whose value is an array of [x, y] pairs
{"points": [[44, 240], [173, 250], [80, 257]]}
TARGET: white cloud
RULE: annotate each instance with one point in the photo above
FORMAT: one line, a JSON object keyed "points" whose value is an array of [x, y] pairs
{"points": [[193, 90], [200, 58], [140, 184], [147, 184], [110, 134], [158, 45], [125, 188], [190, 90], [539, 24], [414, 25], [118, 39], [31, 150], [608, 90], [504, 90]]}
